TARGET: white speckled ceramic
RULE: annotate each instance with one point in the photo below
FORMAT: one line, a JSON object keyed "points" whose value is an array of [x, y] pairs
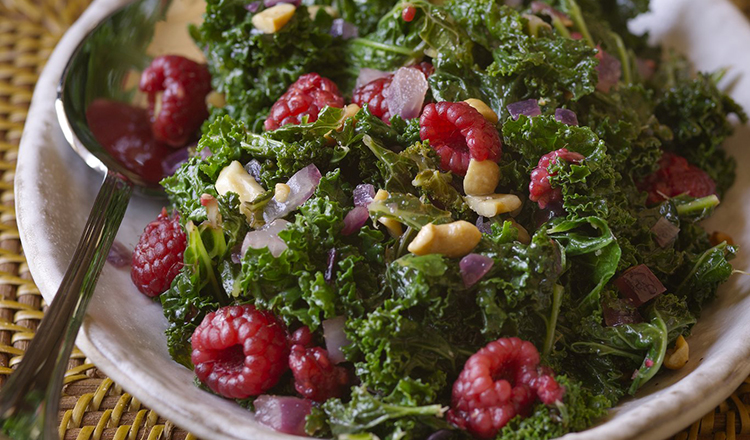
{"points": [[123, 331]]}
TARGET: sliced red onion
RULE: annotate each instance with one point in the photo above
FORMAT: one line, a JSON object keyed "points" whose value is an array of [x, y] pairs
{"points": [[639, 285], [344, 29], [363, 194], [333, 333], [236, 254], [283, 413], [619, 313], [302, 186], [664, 232], [610, 70], [331, 265], [253, 7], [119, 255], [253, 168], [174, 161], [270, 3], [538, 7], [206, 153], [484, 226], [212, 210], [367, 76], [405, 96], [530, 108], [354, 220], [566, 116], [473, 267], [266, 237]]}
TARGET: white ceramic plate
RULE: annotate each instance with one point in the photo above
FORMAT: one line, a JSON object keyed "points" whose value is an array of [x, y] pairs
{"points": [[123, 331]]}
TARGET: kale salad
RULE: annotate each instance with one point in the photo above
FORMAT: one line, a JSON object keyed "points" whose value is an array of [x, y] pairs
{"points": [[442, 220]]}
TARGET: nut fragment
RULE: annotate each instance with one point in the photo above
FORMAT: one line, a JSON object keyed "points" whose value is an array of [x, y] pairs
{"points": [[216, 99], [274, 18], [678, 356], [482, 177], [492, 205], [330, 10], [523, 234], [719, 237], [281, 192], [453, 240], [484, 109], [234, 178], [393, 226], [350, 111]]}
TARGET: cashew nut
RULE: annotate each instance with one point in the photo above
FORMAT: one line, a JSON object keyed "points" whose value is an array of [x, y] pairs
{"points": [[523, 234], [484, 109], [481, 178], [393, 226], [330, 10], [270, 20], [216, 99], [492, 205], [234, 178], [678, 356], [452, 240], [281, 192]]}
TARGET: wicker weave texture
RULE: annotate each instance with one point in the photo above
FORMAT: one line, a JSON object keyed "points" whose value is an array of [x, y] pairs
{"points": [[93, 407]]}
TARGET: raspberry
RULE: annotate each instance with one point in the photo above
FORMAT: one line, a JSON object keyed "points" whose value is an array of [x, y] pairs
{"points": [[676, 176], [157, 258], [540, 188], [315, 377], [372, 92], [185, 84], [458, 132], [408, 13], [301, 336], [239, 351], [498, 382], [306, 97]]}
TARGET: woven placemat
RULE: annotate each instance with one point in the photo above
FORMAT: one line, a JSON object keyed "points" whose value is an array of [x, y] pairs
{"points": [[92, 406]]}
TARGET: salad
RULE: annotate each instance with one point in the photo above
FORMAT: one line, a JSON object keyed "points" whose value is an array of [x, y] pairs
{"points": [[411, 219]]}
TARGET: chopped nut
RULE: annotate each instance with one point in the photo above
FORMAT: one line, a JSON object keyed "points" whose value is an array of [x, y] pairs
{"points": [[274, 18], [678, 356], [492, 205], [484, 109], [481, 178], [281, 192], [394, 227], [523, 234], [216, 99], [453, 240], [350, 111], [234, 178], [330, 10], [719, 237]]}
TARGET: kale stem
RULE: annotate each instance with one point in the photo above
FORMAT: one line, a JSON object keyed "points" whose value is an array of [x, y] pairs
{"points": [[549, 340], [384, 47], [701, 204], [718, 75], [577, 17], [624, 59], [560, 26]]}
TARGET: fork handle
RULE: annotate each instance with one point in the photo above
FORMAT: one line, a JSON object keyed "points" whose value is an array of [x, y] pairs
{"points": [[29, 401]]}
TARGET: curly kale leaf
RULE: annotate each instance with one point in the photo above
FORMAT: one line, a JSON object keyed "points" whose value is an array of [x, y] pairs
{"points": [[253, 69]]}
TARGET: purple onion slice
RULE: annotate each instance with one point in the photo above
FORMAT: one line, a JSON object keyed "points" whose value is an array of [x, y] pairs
{"points": [[266, 237], [302, 186], [610, 70], [566, 116], [174, 161], [367, 75], [529, 108], [119, 255], [283, 413], [405, 96], [344, 29], [271, 3], [253, 7], [354, 220], [473, 267], [363, 194], [335, 338]]}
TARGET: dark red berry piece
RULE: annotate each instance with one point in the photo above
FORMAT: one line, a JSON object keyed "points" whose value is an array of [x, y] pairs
{"points": [[372, 92], [674, 177], [315, 376], [306, 97], [239, 351], [157, 258], [301, 336], [184, 84], [408, 13], [458, 132], [540, 188], [499, 382]]}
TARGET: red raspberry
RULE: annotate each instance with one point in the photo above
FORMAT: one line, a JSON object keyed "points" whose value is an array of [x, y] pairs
{"points": [[315, 377], [185, 84], [301, 336], [157, 258], [458, 132], [306, 97], [498, 382], [372, 92], [540, 188], [239, 351], [676, 176]]}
